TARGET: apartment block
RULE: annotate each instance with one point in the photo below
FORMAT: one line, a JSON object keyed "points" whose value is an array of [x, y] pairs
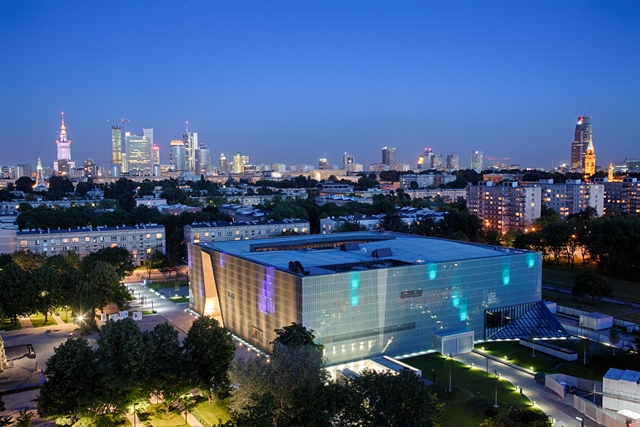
{"points": [[504, 207]]}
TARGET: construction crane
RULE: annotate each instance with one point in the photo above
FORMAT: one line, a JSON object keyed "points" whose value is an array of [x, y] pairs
{"points": [[122, 121]]}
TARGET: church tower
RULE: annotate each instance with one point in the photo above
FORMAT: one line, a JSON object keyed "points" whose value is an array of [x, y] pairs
{"points": [[590, 161], [63, 163]]}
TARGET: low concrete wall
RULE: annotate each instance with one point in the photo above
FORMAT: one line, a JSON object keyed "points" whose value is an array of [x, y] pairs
{"points": [[542, 347]]}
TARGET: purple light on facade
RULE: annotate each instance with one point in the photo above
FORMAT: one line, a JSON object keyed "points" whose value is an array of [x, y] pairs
{"points": [[265, 297]]}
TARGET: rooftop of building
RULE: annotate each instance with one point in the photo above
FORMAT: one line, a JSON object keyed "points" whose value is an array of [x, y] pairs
{"points": [[245, 223], [329, 254], [96, 229]]}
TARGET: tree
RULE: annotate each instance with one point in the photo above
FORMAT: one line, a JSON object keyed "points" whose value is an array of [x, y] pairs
{"points": [[154, 261], [295, 335], [209, 350], [48, 292], [118, 257], [120, 356], [83, 306], [592, 285], [107, 287], [163, 364], [72, 376], [24, 184], [347, 226], [512, 416], [24, 418], [14, 299], [397, 399]]}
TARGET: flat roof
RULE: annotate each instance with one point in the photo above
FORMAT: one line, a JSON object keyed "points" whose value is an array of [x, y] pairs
{"points": [[90, 229], [321, 254]]}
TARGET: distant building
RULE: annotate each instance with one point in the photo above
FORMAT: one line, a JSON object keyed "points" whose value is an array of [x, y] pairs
{"points": [[504, 207], [425, 180], [334, 189], [23, 170], [116, 151], [203, 160], [477, 161], [63, 154], [223, 165], [583, 136], [190, 140], [323, 164], [177, 157], [347, 159], [388, 156], [453, 162], [622, 197], [571, 197], [140, 240], [156, 160], [238, 165], [139, 152]]}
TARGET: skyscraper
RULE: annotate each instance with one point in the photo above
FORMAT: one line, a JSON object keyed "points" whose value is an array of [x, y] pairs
{"points": [[139, 155], [323, 164], [63, 151], [190, 140], [477, 160], [453, 162], [238, 165], [116, 151], [388, 156], [177, 155], [347, 159], [583, 136], [203, 159], [223, 164], [156, 160]]}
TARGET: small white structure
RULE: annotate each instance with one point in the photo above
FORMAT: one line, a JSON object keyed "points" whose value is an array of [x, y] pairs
{"points": [[552, 306], [596, 321], [454, 342], [621, 390]]}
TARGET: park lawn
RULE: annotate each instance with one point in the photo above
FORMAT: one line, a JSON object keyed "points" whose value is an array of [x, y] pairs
{"points": [[211, 413], [179, 299], [6, 325], [599, 358], [37, 320], [156, 415], [65, 315], [563, 276], [164, 285], [472, 391]]}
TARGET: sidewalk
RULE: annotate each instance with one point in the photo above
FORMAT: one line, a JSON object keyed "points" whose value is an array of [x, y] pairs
{"points": [[559, 409], [191, 420]]}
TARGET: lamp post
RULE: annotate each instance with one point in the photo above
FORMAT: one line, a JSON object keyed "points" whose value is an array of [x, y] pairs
{"points": [[495, 405], [134, 414], [433, 371], [152, 306], [450, 369], [581, 421]]}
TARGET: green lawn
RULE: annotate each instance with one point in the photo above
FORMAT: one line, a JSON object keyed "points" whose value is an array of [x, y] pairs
{"points": [[6, 325], [472, 392], [599, 358], [165, 285], [620, 311], [179, 299], [563, 276], [156, 415], [211, 413], [37, 320], [65, 315]]}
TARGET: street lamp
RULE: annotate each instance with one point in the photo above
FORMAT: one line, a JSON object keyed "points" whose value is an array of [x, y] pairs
{"points": [[495, 405], [581, 421], [450, 368], [152, 306], [433, 371], [134, 414]]}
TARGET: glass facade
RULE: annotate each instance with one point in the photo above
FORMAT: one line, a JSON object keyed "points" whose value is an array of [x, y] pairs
{"points": [[369, 311]]}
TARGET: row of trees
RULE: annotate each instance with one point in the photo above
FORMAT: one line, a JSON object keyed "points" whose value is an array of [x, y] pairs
{"points": [[102, 385], [31, 283]]}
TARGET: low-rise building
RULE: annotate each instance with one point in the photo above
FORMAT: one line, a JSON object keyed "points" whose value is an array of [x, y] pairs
{"points": [[425, 180], [140, 240]]}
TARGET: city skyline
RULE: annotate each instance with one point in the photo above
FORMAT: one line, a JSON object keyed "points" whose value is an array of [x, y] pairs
{"points": [[295, 82]]}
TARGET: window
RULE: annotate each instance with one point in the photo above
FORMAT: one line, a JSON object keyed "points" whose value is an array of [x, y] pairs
{"points": [[158, 236], [148, 235], [65, 240], [24, 243], [87, 239], [75, 240], [149, 250], [53, 241]]}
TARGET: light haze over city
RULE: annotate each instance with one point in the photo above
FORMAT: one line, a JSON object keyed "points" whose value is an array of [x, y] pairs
{"points": [[295, 81]]}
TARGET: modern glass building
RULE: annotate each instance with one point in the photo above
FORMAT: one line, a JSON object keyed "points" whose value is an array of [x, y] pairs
{"points": [[364, 294]]}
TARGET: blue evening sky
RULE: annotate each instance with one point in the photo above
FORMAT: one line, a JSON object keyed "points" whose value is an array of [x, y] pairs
{"points": [[294, 81]]}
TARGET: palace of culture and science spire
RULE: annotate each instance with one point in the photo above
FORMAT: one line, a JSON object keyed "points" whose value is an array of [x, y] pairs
{"points": [[63, 163]]}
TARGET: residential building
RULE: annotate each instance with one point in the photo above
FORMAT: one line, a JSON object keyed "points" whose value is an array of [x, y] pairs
{"points": [[139, 240], [504, 207], [622, 197], [371, 294], [571, 197], [425, 180]]}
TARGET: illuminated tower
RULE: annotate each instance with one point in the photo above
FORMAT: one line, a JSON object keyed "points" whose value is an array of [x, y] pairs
{"points": [[139, 155], [590, 161], [347, 159], [203, 159], [610, 174], [177, 155], [223, 165], [477, 160], [116, 151], [190, 140], [63, 149], [156, 160], [238, 166], [583, 136]]}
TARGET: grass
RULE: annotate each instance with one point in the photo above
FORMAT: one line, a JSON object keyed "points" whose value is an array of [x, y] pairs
{"points": [[37, 320], [164, 285], [563, 276], [472, 392], [179, 299], [6, 325], [156, 415], [211, 413], [619, 311], [599, 358], [65, 315]]}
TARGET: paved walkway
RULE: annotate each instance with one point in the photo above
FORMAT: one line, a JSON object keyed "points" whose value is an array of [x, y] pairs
{"points": [[559, 409]]}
